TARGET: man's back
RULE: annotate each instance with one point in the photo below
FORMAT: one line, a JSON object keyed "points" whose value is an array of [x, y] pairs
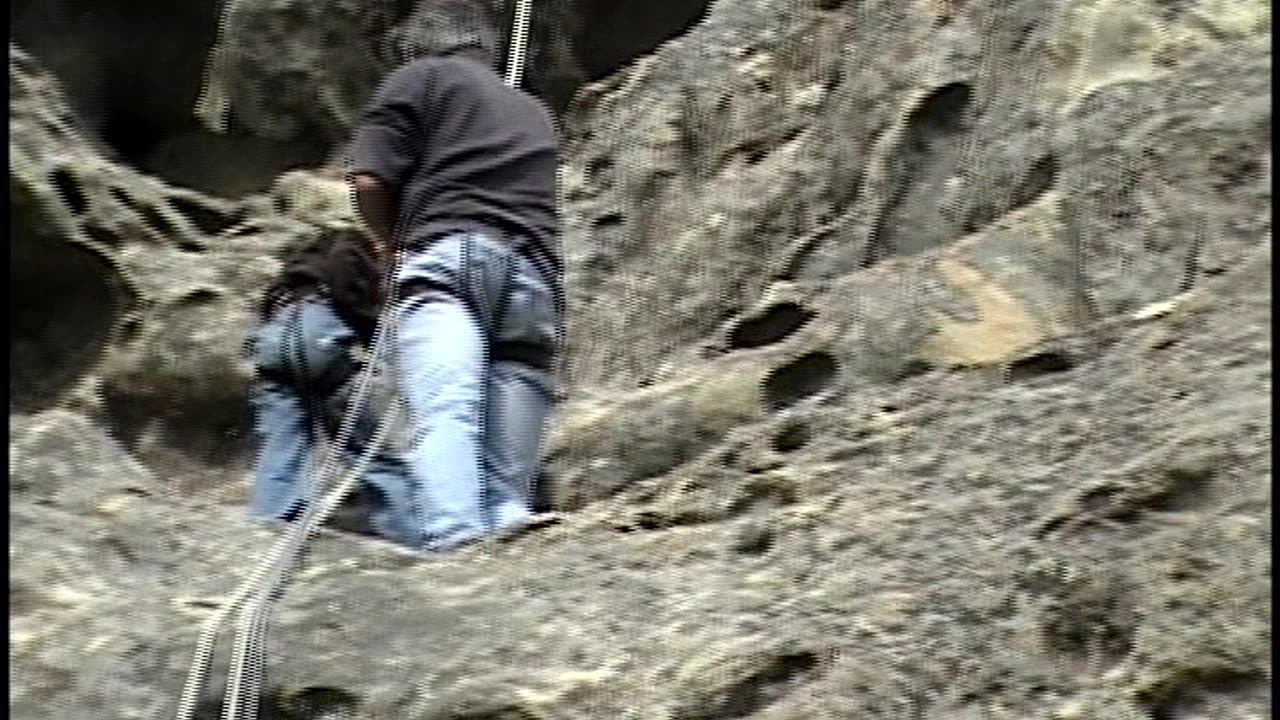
{"points": [[459, 147], [459, 170]]}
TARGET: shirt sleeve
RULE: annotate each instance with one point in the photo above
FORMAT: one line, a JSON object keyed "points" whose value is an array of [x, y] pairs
{"points": [[390, 132]]}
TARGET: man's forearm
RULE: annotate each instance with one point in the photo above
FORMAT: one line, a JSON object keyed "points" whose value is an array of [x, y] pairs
{"points": [[376, 204]]}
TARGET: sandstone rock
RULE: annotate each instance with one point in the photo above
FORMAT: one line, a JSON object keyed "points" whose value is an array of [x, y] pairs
{"points": [[131, 72], [287, 69], [888, 590], [1005, 162], [134, 291], [909, 578], [313, 198], [63, 460]]}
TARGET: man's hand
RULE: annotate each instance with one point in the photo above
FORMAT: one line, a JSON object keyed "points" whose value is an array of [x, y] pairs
{"points": [[376, 204]]}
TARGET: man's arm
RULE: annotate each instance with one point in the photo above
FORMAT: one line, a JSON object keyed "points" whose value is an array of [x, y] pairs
{"points": [[376, 204], [385, 147]]}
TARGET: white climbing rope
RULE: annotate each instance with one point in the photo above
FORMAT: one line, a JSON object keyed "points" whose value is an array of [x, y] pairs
{"points": [[253, 599], [519, 42], [269, 577]]}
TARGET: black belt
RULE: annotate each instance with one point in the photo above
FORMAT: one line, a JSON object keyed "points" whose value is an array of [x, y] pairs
{"points": [[519, 239], [546, 261], [535, 356]]}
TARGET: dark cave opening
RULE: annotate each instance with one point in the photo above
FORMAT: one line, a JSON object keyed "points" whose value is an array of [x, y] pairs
{"points": [[131, 70], [616, 32], [63, 305]]}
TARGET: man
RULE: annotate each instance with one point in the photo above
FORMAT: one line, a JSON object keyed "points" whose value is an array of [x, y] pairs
{"points": [[455, 173], [321, 308]]}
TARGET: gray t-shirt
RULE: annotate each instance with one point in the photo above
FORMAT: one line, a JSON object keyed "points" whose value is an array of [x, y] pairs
{"points": [[460, 148]]}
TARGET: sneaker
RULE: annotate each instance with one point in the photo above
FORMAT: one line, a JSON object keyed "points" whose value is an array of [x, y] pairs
{"points": [[531, 524]]}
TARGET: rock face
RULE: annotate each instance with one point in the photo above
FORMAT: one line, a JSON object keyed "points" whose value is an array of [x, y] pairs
{"points": [[918, 366]]}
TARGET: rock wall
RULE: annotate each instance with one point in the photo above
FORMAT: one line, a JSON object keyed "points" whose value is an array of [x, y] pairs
{"points": [[917, 363]]}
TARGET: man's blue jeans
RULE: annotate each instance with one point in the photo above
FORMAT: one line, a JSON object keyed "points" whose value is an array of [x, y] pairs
{"points": [[303, 356], [477, 418]]}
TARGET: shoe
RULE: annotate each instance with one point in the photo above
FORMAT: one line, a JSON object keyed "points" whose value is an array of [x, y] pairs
{"points": [[528, 525]]}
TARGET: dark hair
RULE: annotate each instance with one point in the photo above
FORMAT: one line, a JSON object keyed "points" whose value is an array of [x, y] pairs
{"points": [[333, 235], [295, 254]]}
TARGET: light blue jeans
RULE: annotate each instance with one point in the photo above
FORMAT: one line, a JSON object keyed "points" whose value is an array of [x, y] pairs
{"points": [[302, 355], [477, 416]]}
